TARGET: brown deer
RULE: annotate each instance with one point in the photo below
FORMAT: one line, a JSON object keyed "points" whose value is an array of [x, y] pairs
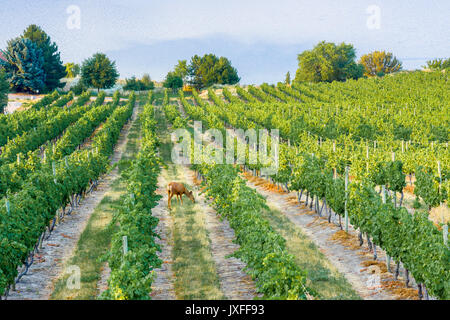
{"points": [[178, 189]]}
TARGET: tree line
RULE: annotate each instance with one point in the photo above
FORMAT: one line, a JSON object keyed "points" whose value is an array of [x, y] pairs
{"points": [[202, 72]]}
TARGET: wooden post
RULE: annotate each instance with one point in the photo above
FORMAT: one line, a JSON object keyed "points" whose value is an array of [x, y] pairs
{"points": [[125, 244], [445, 234], [388, 258], [54, 171], [8, 208], [346, 199]]}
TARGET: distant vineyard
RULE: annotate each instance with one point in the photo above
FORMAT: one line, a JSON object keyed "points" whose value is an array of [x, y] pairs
{"points": [[371, 132]]}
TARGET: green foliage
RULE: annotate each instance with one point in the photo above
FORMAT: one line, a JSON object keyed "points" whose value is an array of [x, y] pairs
{"points": [[132, 273], [209, 69], [427, 187], [438, 64], [143, 84], [261, 247], [72, 69], [24, 65], [181, 69], [328, 62], [173, 81], [53, 67], [99, 72], [288, 78], [79, 88], [43, 193], [380, 63], [410, 239]]}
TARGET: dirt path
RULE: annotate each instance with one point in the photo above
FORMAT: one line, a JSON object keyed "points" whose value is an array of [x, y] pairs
{"points": [[351, 260], [162, 287], [234, 282], [217, 236], [49, 264]]}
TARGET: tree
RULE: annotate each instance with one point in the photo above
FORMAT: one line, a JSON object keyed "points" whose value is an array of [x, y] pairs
{"points": [[288, 78], [99, 72], [131, 84], [173, 81], [146, 82], [24, 65], [208, 70], [181, 69], [4, 88], [72, 69], [134, 84], [379, 63], [53, 66], [79, 88], [438, 64], [328, 62]]}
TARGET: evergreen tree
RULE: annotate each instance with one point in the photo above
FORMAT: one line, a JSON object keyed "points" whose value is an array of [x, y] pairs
{"points": [[24, 65], [53, 66], [99, 72], [288, 78]]}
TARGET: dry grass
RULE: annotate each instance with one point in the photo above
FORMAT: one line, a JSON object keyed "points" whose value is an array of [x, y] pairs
{"points": [[260, 182], [400, 291], [346, 239], [195, 180], [436, 215], [381, 265]]}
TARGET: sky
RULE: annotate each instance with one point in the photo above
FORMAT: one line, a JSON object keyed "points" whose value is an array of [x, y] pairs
{"points": [[261, 38]]}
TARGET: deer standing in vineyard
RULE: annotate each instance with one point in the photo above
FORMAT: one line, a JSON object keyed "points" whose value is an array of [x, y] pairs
{"points": [[178, 189]]}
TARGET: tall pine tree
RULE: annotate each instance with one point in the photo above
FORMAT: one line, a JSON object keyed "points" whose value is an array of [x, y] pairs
{"points": [[24, 65], [53, 66]]}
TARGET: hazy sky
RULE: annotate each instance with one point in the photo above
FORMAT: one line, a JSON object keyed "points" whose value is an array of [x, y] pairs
{"points": [[261, 38]]}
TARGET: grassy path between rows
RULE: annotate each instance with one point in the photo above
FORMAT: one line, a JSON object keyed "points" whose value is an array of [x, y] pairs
{"points": [[95, 240], [193, 267]]}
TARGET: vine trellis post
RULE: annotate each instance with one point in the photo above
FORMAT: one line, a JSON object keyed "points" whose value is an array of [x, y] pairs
{"points": [[445, 227], [125, 244], [346, 199]]}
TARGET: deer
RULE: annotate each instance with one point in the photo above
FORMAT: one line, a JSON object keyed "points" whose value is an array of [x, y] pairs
{"points": [[178, 189]]}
